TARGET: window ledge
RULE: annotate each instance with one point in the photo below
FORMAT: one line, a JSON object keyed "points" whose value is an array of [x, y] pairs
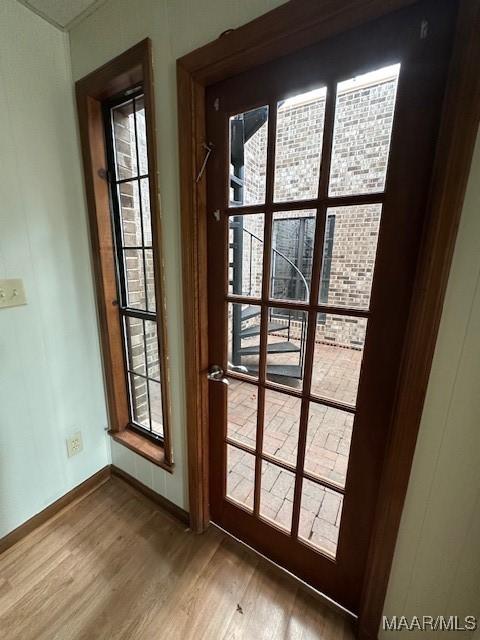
{"points": [[155, 453]]}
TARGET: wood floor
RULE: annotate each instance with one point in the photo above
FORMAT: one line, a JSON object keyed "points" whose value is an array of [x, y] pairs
{"points": [[116, 566]]}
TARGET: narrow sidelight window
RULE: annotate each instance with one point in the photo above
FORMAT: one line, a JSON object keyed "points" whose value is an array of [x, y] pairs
{"points": [[116, 111], [129, 177]]}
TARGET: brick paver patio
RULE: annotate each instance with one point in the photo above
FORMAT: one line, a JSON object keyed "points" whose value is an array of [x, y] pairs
{"points": [[335, 375]]}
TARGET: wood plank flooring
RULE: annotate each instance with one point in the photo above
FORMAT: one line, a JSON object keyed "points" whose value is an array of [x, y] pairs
{"points": [[115, 566]]}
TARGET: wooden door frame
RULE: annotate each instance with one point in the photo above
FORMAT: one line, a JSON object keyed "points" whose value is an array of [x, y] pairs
{"points": [[291, 27]]}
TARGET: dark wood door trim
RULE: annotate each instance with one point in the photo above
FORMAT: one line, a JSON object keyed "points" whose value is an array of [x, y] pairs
{"points": [[285, 30], [457, 136], [128, 70]]}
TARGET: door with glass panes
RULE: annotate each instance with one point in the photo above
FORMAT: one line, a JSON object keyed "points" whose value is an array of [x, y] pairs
{"points": [[316, 189]]}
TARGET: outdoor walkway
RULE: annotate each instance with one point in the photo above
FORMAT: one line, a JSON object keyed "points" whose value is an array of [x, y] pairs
{"points": [[328, 442]]}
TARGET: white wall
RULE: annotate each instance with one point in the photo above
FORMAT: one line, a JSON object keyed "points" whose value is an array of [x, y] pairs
{"points": [[437, 561], [175, 27], [436, 566], [50, 370]]}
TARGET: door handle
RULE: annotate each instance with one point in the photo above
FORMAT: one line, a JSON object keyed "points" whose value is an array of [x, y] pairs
{"points": [[215, 373], [239, 368]]}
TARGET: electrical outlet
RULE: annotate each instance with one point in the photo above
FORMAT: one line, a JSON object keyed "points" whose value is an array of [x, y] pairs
{"points": [[74, 444], [12, 293]]}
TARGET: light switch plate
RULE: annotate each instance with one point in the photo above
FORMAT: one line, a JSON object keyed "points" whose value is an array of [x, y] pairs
{"points": [[12, 293]]}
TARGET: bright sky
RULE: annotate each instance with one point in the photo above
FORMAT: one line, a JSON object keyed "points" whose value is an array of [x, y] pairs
{"points": [[371, 77]]}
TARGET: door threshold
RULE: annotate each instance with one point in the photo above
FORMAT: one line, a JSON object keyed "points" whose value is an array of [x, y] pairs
{"points": [[331, 604]]}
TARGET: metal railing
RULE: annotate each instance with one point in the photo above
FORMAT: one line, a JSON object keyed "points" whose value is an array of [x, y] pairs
{"points": [[237, 265], [282, 255]]}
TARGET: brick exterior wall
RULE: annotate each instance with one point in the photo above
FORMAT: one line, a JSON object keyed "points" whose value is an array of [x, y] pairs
{"points": [[299, 146], [129, 196], [360, 152], [363, 124]]}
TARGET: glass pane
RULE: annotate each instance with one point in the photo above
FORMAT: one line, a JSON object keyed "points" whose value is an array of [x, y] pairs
{"points": [[240, 476], [124, 140], [151, 340], [135, 345], [363, 126], [350, 248], [156, 407], [141, 135], [139, 401], [276, 499], [299, 146], [150, 279], [293, 234], [287, 334], [246, 254], [146, 213], [320, 514], [329, 435], [135, 284], [242, 412], [339, 343], [281, 424], [130, 214], [243, 350], [248, 157]]}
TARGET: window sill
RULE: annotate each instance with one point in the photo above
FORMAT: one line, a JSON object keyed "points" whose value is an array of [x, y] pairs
{"points": [[155, 453]]}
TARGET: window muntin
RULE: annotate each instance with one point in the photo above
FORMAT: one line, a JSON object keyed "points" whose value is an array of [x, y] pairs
{"points": [[132, 225], [320, 263]]}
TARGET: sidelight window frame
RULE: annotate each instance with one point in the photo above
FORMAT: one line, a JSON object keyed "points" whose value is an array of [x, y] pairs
{"points": [[127, 75], [126, 311]]}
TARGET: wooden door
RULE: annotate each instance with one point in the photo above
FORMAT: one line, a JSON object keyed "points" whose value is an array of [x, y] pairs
{"points": [[317, 187]]}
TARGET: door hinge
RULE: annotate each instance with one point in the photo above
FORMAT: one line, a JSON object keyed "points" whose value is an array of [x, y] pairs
{"points": [[216, 104], [216, 215]]}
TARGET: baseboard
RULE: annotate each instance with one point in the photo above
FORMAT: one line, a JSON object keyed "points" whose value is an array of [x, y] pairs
{"points": [[78, 492], [163, 502], [81, 491]]}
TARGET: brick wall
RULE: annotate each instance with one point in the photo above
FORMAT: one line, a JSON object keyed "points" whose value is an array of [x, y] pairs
{"points": [[299, 145], [360, 153], [130, 195]]}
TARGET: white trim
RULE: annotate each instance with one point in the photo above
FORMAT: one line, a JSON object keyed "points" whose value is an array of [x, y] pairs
{"points": [[69, 25], [85, 13], [41, 14]]}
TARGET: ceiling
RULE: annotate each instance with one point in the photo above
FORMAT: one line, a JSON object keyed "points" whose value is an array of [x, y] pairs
{"points": [[63, 13]]}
